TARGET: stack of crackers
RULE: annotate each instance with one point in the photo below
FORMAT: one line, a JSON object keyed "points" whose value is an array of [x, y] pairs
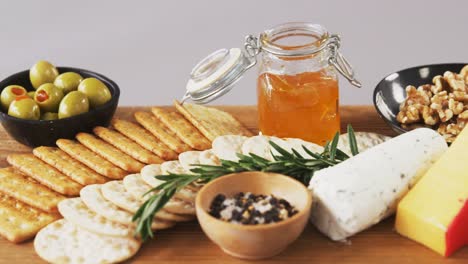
{"points": [[98, 227], [103, 169]]}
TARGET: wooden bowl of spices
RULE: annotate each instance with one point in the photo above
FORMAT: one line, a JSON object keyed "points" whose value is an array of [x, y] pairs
{"points": [[253, 215]]}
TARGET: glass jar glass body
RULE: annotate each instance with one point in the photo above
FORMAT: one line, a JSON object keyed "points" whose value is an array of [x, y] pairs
{"points": [[298, 96]]}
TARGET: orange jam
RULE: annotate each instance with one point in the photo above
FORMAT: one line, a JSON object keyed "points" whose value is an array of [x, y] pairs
{"points": [[299, 106]]}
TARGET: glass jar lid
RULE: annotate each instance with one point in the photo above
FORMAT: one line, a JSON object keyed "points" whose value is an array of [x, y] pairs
{"points": [[216, 74]]}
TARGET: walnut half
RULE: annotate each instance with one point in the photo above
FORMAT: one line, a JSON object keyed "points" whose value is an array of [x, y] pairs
{"points": [[409, 115], [455, 81], [455, 106], [464, 73], [430, 116], [411, 109]]}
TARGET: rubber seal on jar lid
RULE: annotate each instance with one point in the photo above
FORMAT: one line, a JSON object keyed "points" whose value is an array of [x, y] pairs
{"points": [[215, 75]]}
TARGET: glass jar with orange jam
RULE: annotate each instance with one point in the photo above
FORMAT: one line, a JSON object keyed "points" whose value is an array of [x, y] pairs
{"points": [[297, 84]]}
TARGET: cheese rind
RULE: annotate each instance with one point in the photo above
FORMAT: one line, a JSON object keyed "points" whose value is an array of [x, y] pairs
{"points": [[435, 211], [365, 189]]}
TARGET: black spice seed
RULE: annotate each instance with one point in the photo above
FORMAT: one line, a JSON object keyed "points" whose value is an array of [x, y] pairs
{"points": [[284, 202], [256, 213], [217, 205], [236, 215], [239, 196], [273, 201]]}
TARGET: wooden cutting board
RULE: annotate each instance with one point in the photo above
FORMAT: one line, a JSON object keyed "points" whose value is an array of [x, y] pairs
{"points": [[186, 242]]}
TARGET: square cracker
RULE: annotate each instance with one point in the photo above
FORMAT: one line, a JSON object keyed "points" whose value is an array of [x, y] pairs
{"points": [[159, 130], [127, 145], [90, 159], [31, 192], [109, 152], [182, 128], [45, 174], [19, 222], [74, 169], [144, 138], [212, 122]]}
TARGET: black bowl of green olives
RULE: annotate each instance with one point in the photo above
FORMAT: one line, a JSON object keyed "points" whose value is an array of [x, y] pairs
{"points": [[45, 103]]}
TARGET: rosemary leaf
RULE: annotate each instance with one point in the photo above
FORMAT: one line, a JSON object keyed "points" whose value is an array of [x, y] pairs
{"points": [[258, 159], [312, 154], [341, 155], [298, 155], [352, 141], [333, 146], [281, 151]]}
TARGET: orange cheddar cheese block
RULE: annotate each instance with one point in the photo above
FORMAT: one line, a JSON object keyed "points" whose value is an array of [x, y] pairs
{"points": [[435, 212]]}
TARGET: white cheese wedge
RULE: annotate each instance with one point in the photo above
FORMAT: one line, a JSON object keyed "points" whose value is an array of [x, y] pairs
{"points": [[363, 190]]}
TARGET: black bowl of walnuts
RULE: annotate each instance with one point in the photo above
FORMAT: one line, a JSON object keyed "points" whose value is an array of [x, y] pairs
{"points": [[433, 96], [45, 103]]}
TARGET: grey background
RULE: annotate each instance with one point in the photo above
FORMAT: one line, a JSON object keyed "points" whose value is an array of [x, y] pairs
{"points": [[149, 47]]}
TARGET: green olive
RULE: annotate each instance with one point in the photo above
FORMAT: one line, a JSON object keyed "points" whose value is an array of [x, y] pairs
{"points": [[25, 108], [96, 91], [48, 97], [9, 94], [42, 72], [31, 94], [74, 103], [49, 116], [68, 81]]}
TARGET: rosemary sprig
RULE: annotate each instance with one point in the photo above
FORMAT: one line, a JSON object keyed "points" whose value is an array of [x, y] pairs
{"points": [[288, 163]]}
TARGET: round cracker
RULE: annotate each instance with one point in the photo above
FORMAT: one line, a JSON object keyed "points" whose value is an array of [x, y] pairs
{"points": [[207, 157], [187, 195], [92, 197], [64, 242], [162, 224], [148, 172], [174, 217], [115, 192], [226, 147], [177, 206], [173, 166], [365, 140], [139, 185], [135, 185], [260, 146], [298, 144], [75, 211], [189, 158]]}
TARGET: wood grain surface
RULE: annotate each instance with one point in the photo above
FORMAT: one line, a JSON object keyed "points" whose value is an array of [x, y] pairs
{"points": [[186, 242]]}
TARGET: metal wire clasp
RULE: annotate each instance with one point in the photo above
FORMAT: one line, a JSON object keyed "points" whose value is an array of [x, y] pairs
{"points": [[251, 49], [340, 63]]}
